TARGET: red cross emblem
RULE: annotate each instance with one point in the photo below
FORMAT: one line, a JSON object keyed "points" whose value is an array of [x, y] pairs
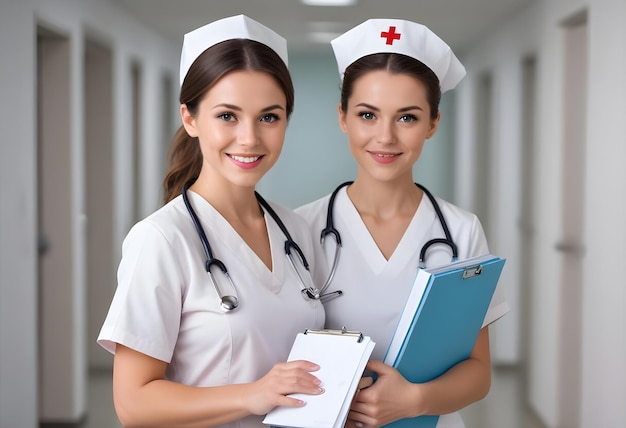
{"points": [[390, 35]]}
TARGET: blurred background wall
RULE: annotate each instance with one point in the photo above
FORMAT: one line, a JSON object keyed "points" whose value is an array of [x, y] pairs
{"points": [[532, 141]]}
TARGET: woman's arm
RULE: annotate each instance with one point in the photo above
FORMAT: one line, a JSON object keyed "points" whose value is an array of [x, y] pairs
{"points": [[143, 398], [392, 397], [462, 385]]}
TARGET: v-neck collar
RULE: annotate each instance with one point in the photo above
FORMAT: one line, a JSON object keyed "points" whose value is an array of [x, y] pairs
{"points": [[224, 238], [350, 222]]}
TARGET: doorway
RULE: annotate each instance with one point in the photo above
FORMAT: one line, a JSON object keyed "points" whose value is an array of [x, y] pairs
{"points": [[571, 245], [483, 184], [62, 368], [99, 193]]}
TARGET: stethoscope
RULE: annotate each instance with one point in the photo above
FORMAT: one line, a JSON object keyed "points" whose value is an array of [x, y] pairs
{"points": [[331, 230], [229, 302]]}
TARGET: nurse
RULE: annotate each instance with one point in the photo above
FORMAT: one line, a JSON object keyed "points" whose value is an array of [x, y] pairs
{"points": [[393, 73], [181, 358]]}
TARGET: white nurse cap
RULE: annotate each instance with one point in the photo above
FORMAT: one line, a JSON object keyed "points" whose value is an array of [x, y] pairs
{"points": [[234, 27], [403, 37]]}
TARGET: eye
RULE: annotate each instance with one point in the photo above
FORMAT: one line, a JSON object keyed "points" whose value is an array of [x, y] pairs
{"points": [[226, 117], [407, 118], [367, 115], [269, 118]]}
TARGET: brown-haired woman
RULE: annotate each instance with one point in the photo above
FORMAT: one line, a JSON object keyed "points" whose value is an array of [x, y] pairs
{"points": [[194, 346], [394, 72]]}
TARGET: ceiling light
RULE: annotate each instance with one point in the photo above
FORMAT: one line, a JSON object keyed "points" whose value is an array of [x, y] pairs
{"points": [[329, 2]]}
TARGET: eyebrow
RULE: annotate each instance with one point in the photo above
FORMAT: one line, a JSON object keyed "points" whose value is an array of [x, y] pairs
{"points": [[401, 110], [237, 108]]}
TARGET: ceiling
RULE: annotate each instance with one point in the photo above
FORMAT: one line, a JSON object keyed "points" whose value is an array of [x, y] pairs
{"points": [[458, 22]]}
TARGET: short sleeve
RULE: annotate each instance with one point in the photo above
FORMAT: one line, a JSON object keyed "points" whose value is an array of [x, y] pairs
{"points": [[146, 309]]}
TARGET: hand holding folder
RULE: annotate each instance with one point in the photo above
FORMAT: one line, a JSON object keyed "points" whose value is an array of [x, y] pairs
{"points": [[441, 321], [342, 356]]}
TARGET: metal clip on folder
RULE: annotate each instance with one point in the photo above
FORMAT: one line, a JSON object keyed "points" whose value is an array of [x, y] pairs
{"points": [[472, 271], [342, 332]]}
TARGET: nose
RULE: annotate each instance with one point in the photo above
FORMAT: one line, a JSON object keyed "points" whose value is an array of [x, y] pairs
{"points": [[386, 132], [248, 133]]}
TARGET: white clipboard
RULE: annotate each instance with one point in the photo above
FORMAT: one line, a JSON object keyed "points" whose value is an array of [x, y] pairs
{"points": [[342, 356]]}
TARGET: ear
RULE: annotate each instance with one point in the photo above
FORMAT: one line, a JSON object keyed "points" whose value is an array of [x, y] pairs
{"points": [[342, 119], [434, 124], [189, 121]]}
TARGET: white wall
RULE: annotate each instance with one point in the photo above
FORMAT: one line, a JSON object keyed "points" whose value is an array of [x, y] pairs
{"points": [[604, 293], [538, 31], [501, 55], [129, 40], [18, 253], [502, 52]]}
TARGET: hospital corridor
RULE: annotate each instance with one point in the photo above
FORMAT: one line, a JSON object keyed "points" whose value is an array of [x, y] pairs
{"points": [[532, 140]]}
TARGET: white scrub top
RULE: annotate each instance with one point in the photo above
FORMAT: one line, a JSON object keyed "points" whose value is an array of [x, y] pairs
{"points": [[166, 307], [375, 289]]}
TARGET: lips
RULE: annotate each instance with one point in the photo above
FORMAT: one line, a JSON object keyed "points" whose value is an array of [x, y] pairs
{"points": [[384, 157], [245, 159]]}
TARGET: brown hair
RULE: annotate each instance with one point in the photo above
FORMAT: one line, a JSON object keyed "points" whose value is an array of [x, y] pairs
{"points": [[396, 64], [184, 157]]}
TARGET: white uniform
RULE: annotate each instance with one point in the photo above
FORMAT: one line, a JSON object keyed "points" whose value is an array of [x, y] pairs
{"points": [[166, 307], [375, 289]]}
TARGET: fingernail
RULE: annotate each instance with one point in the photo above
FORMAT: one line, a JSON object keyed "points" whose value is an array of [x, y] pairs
{"points": [[359, 424], [322, 390]]}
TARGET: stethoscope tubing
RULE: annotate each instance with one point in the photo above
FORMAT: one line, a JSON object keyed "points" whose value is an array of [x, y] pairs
{"points": [[330, 229], [444, 225], [231, 302]]}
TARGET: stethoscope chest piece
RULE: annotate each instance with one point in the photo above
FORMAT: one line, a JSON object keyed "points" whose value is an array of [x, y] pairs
{"points": [[228, 303]]}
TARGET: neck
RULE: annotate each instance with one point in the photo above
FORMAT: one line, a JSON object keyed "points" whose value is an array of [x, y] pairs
{"points": [[235, 203], [385, 199]]}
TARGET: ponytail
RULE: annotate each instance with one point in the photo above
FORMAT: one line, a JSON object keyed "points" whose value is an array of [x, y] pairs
{"points": [[184, 162]]}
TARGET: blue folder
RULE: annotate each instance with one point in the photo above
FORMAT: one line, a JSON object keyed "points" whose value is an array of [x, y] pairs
{"points": [[441, 321]]}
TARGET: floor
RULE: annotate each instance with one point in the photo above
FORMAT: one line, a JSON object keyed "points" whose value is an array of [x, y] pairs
{"points": [[502, 408], [100, 411]]}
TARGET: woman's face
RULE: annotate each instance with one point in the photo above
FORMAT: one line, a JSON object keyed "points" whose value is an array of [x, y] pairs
{"points": [[241, 124], [387, 121]]}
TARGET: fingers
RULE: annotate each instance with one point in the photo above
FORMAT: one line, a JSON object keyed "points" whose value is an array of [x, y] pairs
{"points": [[365, 382], [377, 366], [295, 377], [304, 365], [305, 384], [286, 401], [359, 420], [282, 386]]}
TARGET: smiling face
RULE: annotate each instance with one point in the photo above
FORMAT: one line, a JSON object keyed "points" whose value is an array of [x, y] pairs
{"points": [[240, 124], [387, 119]]}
